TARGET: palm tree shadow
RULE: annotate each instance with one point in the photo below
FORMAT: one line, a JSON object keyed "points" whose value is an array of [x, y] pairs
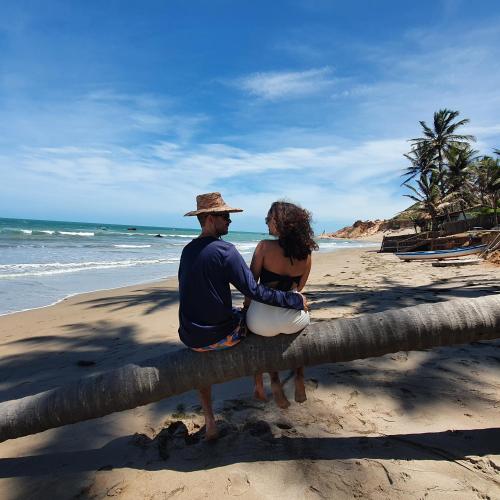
{"points": [[254, 442], [154, 299], [391, 294], [89, 349], [448, 374]]}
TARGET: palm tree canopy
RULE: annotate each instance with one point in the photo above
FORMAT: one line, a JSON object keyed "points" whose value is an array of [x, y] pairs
{"points": [[369, 335], [422, 162], [487, 171], [428, 193], [442, 136], [443, 159]]}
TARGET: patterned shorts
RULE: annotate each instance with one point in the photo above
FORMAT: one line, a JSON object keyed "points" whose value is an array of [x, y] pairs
{"points": [[225, 343]]}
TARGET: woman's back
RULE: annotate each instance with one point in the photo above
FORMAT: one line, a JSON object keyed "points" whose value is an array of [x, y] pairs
{"points": [[280, 272]]}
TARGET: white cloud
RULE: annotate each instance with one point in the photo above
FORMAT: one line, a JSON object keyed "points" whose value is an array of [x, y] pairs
{"points": [[433, 69], [274, 85], [334, 182], [98, 118]]}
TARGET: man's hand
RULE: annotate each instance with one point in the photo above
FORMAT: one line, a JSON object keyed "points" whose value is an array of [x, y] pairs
{"points": [[304, 299]]}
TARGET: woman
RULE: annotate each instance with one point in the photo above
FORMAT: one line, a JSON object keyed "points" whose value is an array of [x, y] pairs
{"points": [[283, 264]]}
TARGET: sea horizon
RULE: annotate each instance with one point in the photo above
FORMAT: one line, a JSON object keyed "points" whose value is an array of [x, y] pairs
{"points": [[44, 261]]}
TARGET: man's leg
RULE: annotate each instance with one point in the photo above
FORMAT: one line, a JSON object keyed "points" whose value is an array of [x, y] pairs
{"points": [[206, 404], [277, 388], [300, 388]]}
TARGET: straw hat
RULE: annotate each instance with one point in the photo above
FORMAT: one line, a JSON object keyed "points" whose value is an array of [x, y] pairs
{"points": [[210, 203]]}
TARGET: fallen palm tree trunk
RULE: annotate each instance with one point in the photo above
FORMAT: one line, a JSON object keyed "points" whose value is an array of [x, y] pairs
{"points": [[412, 328]]}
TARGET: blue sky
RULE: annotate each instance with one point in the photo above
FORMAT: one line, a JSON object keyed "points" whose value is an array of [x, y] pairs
{"points": [[123, 111]]}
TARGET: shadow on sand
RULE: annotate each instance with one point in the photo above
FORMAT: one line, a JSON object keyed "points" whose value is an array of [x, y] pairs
{"points": [[107, 344], [256, 443]]}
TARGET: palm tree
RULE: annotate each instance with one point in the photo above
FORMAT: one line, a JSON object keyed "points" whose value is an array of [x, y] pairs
{"points": [[458, 178], [487, 182], [439, 139], [421, 162], [412, 328], [428, 195]]}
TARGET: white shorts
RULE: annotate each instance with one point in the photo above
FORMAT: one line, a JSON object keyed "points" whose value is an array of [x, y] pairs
{"points": [[269, 321]]}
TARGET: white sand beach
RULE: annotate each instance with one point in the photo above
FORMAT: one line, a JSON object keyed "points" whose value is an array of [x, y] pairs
{"points": [[406, 425]]}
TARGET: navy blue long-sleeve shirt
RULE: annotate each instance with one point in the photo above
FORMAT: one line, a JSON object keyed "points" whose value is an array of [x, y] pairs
{"points": [[208, 265]]}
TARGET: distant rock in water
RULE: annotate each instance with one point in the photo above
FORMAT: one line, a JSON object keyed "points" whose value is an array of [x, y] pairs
{"points": [[158, 236], [131, 229]]}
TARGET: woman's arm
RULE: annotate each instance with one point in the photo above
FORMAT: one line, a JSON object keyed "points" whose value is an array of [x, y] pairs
{"points": [[305, 276], [255, 267], [239, 275]]}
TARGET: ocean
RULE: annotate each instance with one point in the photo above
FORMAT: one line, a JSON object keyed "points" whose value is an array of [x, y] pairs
{"points": [[43, 262]]}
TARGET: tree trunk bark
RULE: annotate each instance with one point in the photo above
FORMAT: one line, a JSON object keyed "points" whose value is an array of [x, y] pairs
{"points": [[495, 202], [369, 335]]}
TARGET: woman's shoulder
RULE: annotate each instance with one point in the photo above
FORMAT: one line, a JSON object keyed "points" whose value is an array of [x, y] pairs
{"points": [[267, 245]]}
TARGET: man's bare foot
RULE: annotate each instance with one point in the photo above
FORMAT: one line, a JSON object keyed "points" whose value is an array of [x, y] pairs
{"points": [[259, 394], [279, 395], [300, 391], [211, 432]]}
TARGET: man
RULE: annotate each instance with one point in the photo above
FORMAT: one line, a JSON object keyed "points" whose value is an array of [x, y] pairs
{"points": [[208, 266]]}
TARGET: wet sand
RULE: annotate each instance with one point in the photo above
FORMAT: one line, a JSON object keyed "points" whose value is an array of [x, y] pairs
{"points": [[406, 425]]}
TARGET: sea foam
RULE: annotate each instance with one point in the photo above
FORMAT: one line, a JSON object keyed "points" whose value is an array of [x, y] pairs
{"points": [[46, 269], [75, 233], [132, 246]]}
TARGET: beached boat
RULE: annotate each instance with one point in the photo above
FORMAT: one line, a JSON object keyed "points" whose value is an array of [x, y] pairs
{"points": [[441, 254]]}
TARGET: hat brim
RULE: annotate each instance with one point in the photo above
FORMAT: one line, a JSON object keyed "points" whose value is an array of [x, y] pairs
{"points": [[224, 209]]}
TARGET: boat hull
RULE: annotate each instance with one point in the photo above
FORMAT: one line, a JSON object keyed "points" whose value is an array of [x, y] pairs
{"points": [[441, 254]]}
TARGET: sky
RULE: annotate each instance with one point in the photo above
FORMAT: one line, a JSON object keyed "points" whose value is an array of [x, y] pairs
{"points": [[124, 111]]}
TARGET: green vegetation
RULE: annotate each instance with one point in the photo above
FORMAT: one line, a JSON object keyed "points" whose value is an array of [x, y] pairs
{"points": [[447, 175]]}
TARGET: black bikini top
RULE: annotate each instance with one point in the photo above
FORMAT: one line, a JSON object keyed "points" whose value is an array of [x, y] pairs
{"points": [[278, 281]]}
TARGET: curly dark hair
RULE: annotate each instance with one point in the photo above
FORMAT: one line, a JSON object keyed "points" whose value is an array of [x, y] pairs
{"points": [[296, 236]]}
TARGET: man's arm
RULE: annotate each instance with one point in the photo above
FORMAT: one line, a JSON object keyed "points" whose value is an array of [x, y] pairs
{"points": [[255, 268], [240, 276]]}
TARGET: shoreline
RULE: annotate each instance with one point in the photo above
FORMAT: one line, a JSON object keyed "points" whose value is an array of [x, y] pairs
{"points": [[363, 422], [76, 294], [138, 283]]}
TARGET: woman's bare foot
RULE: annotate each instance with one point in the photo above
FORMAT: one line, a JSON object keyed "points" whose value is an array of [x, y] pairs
{"points": [[259, 392], [211, 432], [279, 395], [300, 389]]}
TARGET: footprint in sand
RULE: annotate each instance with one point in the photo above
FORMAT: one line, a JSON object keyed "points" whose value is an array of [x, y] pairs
{"points": [[407, 392], [238, 484], [259, 428], [284, 426], [311, 384], [400, 356], [116, 489]]}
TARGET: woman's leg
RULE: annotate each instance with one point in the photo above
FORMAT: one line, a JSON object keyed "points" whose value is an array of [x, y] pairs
{"points": [[277, 388], [258, 391], [300, 388]]}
